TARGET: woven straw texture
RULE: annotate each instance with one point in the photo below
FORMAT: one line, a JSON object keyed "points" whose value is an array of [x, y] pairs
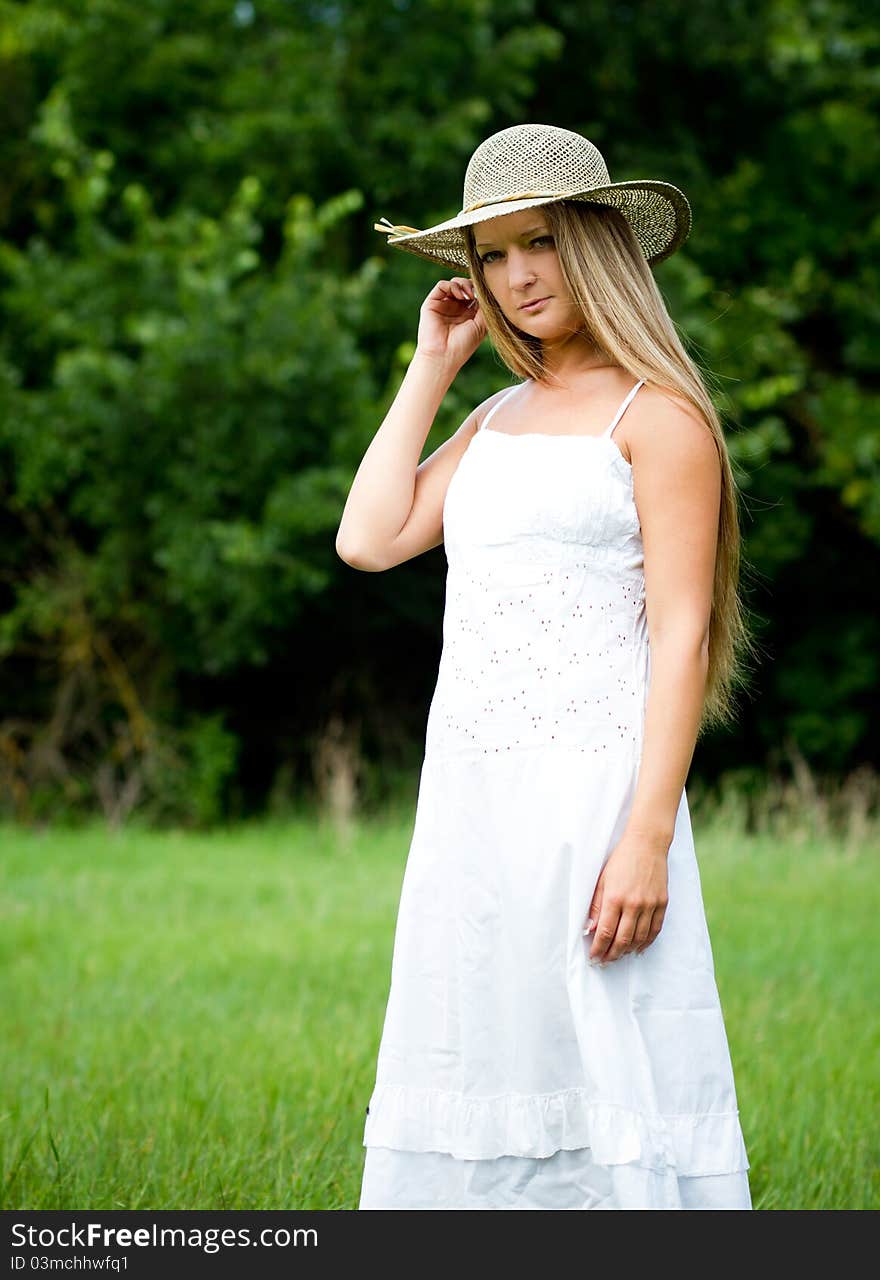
{"points": [[534, 164]]}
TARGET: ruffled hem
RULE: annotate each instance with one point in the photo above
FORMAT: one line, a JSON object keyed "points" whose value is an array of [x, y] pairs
{"points": [[410, 1119], [565, 1180]]}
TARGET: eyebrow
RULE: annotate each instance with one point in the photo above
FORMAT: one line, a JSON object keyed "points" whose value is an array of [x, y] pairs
{"points": [[483, 243]]}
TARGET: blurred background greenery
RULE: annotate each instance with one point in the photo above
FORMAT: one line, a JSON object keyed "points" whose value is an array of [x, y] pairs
{"points": [[200, 331]]}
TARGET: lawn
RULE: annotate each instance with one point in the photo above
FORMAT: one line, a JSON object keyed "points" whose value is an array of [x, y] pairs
{"points": [[190, 1021]]}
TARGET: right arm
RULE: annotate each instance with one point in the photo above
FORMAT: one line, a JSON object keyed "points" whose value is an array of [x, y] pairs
{"points": [[394, 509]]}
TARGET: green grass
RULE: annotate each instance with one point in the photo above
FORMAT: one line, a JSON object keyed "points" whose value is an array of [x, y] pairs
{"points": [[191, 1021]]}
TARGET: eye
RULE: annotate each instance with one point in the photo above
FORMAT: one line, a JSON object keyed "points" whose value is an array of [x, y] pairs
{"points": [[536, 240]]}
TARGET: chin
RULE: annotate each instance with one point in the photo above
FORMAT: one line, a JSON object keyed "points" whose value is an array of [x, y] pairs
{"points": [[525, 321]]}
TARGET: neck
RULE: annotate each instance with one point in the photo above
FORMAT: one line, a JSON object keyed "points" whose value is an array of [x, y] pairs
{"points": [[566, 360]]}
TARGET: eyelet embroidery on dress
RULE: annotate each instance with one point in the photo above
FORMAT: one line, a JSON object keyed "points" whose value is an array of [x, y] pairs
{"points": [[557, 550], [578, 689]]}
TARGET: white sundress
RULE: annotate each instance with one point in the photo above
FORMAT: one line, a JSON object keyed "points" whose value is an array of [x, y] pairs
{"points": [[512, 1073]]}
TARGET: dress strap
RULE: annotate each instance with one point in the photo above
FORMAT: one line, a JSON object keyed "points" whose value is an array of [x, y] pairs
{"points": [[498, 402], [623, 408]]}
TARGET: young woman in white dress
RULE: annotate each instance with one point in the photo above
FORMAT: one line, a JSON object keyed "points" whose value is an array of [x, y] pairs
{"points": [[553, 1036]]}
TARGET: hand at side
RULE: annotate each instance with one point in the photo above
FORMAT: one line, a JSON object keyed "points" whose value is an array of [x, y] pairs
{"points": [[630, 899]]}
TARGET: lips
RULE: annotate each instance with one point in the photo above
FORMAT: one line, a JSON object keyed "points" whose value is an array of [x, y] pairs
{"points": [[533, 302]]}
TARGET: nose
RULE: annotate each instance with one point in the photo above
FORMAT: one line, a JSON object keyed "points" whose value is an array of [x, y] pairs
{"points": [[520, 271]]}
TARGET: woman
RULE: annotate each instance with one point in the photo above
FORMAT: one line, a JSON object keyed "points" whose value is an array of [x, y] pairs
{"points": [[553, 1036]]}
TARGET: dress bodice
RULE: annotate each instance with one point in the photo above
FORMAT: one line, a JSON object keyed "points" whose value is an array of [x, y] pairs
{"points": [[542, 498], [545, 635]]}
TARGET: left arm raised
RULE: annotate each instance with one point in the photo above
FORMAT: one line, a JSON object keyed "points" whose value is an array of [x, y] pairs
{"points": [[677, 489]]}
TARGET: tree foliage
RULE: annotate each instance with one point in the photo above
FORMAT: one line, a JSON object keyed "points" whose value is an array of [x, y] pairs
{"points": [[201, 331]]}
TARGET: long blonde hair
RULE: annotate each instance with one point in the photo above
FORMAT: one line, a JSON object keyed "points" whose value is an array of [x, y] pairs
{"points": [[626, 318]]}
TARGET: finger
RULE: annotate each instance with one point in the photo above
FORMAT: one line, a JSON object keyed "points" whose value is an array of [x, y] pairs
{"points": [[595, 909], [606, 928], [449, 301], [655, 926], [657, 922], [626, 928], [643, 931], [448, 289]]}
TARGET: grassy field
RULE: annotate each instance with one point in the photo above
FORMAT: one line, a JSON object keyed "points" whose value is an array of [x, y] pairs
{"points": [[191, 1021]]}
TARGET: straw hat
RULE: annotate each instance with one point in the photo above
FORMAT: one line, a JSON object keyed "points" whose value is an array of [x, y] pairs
{"points": [[534, 164]]}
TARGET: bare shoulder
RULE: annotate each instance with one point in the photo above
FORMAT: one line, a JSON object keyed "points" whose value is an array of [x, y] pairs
{"points": [[665, 429], [482, 409], [461, 438]]}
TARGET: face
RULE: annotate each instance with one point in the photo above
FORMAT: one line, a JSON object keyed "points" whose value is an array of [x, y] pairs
{"points": [[520, 263]]}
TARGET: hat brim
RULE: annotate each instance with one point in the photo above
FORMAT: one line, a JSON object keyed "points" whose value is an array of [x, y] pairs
{"points": [[658, 212]]}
